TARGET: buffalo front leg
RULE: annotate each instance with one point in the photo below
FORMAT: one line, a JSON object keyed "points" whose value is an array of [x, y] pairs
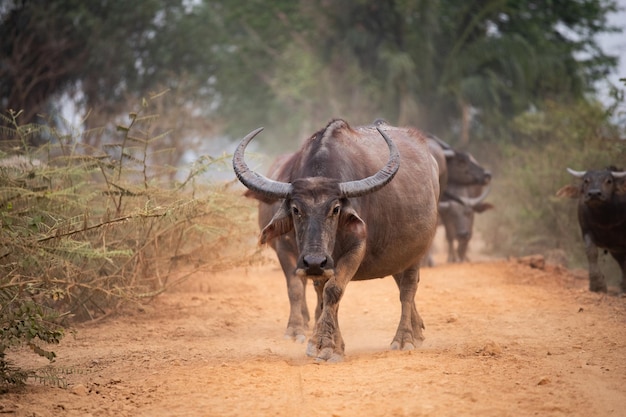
{"points": [[296, 290], [452, 257], [596, 277], [620, 258], [326, 343], [409, 334], [462, 249]]}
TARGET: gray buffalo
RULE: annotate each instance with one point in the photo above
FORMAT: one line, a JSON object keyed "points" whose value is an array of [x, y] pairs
{"points": [[342, 210], [458, 217], [464, 186], [601, 198], [463, 169]]}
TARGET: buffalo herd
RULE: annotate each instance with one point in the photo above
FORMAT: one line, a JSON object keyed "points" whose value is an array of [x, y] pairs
{"points": [[346, 207]]}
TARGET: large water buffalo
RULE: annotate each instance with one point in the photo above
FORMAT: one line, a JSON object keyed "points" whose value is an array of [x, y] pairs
{"points": [[601, 198], [458, 217], [345, 211]]}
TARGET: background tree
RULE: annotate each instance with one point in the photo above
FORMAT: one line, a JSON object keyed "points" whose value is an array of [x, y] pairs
{"points": [[456, 68]]}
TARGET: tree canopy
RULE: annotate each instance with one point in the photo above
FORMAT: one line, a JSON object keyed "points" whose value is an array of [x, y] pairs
{"points": [[456, 67]]}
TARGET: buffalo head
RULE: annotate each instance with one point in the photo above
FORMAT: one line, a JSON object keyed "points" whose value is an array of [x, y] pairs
{"points": [[463, 169], [597, 187], [317, 209], [458, 219]]}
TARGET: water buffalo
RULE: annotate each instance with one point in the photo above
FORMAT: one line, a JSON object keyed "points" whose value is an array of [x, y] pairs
{"points": [[463, 169], [458, 217], [462, 181], [345, 211], [602, 218]]}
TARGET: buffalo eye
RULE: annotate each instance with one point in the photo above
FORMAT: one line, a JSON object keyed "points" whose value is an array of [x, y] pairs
{"points": [[295, 211], [336, 210]]}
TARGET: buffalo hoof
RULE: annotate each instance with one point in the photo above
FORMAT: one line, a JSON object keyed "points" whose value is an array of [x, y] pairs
{"points": [[299, 338], [329, 355], [323, 355], [407, 346], [295, 334], [311, 349], [598, 287]]}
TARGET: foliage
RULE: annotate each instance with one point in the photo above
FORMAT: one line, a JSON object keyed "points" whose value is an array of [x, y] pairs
{"points": [[529, 218], [25, 320], [84, 231], [451, 67]]}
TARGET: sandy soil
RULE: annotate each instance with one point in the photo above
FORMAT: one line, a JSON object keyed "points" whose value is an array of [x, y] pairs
{"points": [[502, 339]]}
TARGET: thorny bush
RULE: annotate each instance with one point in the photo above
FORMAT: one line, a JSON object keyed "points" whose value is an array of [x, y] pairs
{"points": [[85, 231]]}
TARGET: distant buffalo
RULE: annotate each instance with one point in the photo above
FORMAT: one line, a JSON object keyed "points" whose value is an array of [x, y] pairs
{"points": [[458, 217], [601, 198], [465, 185]]}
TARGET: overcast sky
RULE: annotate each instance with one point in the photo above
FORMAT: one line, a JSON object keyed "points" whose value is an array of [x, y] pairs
{"points": [[615, 44]]}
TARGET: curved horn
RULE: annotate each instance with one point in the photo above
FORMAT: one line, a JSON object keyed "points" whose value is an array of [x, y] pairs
{"points": [[577, 174], [252, 180], [618, 174], [377, 181], [471, 202], [443, 205]]}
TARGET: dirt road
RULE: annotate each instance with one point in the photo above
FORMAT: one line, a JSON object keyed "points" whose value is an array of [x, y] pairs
{"points": [[502, 339]]}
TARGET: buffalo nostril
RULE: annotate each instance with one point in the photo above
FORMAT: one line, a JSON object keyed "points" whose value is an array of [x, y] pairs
{"points": [[314, 264]]}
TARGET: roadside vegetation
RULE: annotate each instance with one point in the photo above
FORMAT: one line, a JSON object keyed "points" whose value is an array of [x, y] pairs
{"points": [[84, 232], [529, 218]]}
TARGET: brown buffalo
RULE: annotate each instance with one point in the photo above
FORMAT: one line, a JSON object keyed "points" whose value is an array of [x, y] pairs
{"points": [[345, 211]]}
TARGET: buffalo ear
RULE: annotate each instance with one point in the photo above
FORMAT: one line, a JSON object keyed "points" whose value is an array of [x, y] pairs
{"points": [[280, 224], [480, 207], [350, 221], [570, 191], [444, 206]]}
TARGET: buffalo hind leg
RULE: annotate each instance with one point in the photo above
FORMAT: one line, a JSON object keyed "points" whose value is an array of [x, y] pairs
{"points": [[409, 334], [296, 290]]}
